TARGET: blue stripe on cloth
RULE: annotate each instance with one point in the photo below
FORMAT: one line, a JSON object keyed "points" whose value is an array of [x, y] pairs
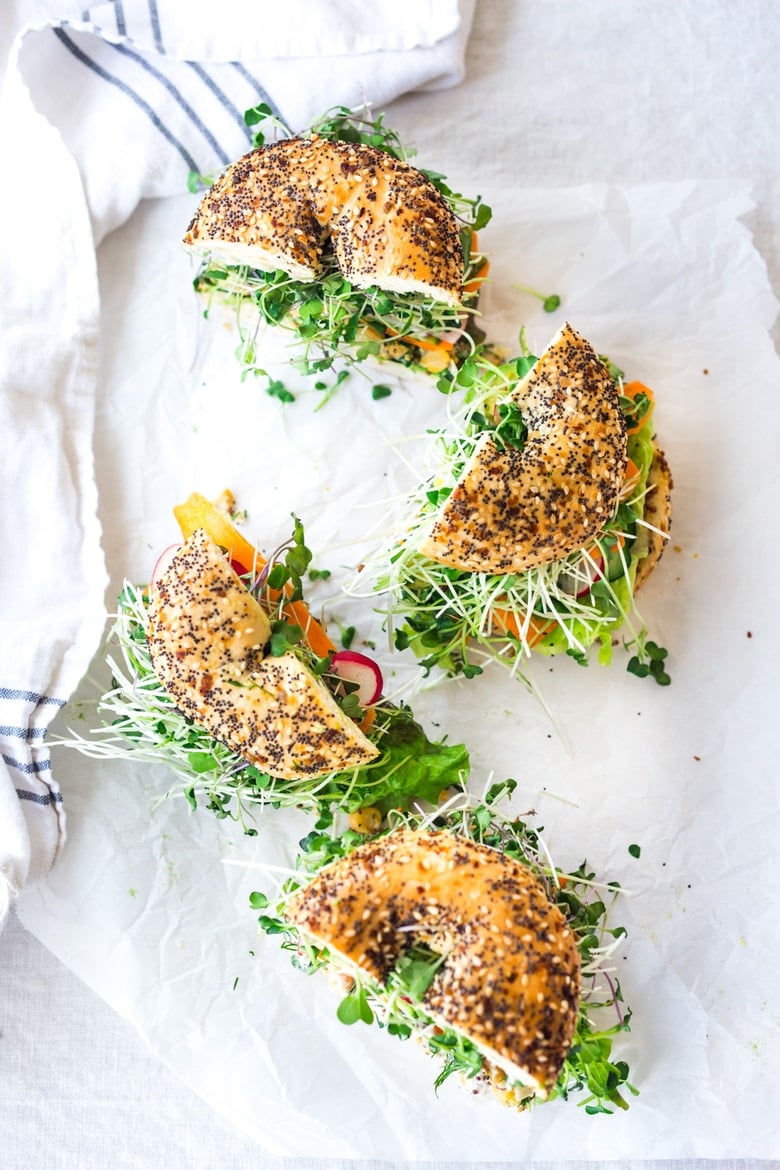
{"points": [[39, 798], [121, 24], [134, 97], [29, 696], [154, 17], [219, 94], [26, 733], [177, 97], [263, 95], [27, 769]]}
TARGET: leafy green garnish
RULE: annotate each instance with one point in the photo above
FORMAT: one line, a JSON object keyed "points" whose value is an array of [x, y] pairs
{"points": [[650, 661], [416, 970], [355, 1006], [347, 636], [550, 302]]}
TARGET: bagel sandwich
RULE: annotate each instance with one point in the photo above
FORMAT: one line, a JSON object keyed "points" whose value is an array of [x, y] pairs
{"points": [[454, 928], [333, 235], [545, 506], [220, 671]]}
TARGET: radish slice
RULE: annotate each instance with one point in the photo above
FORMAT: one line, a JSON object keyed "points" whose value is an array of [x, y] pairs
{"points": [[360, 669], [162, 562], [580, 581]]}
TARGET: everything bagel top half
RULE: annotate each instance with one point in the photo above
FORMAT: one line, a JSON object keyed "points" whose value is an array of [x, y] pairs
{"points": [[510, 979], [294, 203]]}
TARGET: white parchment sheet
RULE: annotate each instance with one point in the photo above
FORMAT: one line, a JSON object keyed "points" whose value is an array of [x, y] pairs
{"points": [[666, 281]]}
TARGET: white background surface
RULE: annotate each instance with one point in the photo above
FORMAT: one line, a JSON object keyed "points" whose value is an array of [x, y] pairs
{"points": [[624, 94]]}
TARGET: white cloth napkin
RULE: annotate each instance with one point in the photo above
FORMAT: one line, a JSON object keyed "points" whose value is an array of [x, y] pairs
{"points": [[101, 109]]}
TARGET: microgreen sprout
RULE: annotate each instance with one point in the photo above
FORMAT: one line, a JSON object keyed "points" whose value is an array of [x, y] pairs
{"points": [[590, 1073], [550, 302], [262, 114]]}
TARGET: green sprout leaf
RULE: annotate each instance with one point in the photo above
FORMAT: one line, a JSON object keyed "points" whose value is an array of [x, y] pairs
{"points": [[355, 1007]]}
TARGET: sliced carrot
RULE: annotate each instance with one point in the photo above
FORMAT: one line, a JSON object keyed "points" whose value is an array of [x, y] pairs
{"points": [[473, 283], [368, 719], [632, 390], [508, 623], [198, 512], [428, 343], [631, 478], [476, 280]]}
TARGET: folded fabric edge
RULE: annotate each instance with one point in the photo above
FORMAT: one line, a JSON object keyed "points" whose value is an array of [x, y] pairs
{"points": [[298, 31], [36, 678]]}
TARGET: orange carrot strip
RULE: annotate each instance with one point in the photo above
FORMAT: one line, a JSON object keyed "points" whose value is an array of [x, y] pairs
{"points": [[476, 280], [508, 623], [368, 719], [631, 390], [198, 512], [420, 342], [632, 475]]}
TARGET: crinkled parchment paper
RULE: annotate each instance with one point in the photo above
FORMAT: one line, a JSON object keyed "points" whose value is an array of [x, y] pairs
{"points": [[666, 281]]}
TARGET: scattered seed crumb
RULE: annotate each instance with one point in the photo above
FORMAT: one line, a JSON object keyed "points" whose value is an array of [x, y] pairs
{"points": [[697, 758], [750, 633], [695, 556], [705, 371], [677, 547]]}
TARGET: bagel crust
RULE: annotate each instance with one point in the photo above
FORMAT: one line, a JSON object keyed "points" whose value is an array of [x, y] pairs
{"points": [[510, 980], [658, 513], [287, 205], [515, 509], [206, 635]]}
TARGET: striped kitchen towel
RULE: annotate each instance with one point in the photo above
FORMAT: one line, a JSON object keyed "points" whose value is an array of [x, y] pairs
{"points": [[101, 108], [32, 822], [145, 91]]}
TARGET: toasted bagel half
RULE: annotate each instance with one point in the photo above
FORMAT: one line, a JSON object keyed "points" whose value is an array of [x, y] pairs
{"points": [[207, 636], [509, 980], [513, 509], [286, 205]]}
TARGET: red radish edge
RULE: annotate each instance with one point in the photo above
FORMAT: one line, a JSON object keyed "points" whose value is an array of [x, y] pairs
{"points": [[162, 562], [595, 567], [358, 668]]}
